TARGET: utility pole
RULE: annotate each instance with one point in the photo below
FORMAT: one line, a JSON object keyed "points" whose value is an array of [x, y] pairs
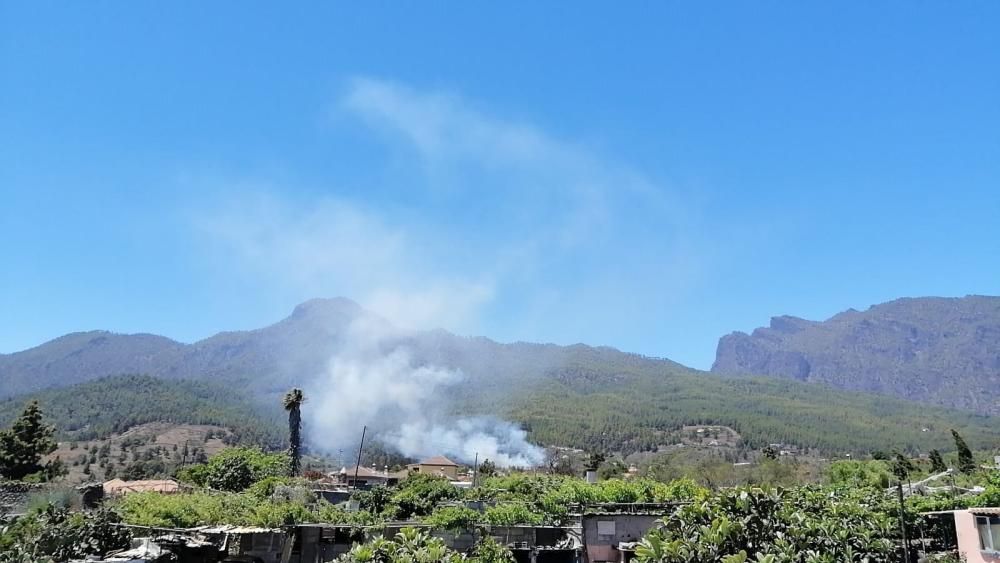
{"points": [[358, 465], [475, 472], [902, 522]]}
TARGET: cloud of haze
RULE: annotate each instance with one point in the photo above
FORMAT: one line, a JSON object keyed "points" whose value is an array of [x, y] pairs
{"points": [[510, 222]]}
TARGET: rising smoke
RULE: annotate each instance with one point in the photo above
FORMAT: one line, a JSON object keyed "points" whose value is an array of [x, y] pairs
{"points": [[506, 211], [372, 380]]}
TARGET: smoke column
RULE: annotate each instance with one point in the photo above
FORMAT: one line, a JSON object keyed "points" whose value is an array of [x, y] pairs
{"points": [[372, 380]]}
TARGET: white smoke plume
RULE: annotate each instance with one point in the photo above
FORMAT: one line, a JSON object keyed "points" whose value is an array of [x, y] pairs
{"points": [[505, 211], [499, 441], [372, 380]]}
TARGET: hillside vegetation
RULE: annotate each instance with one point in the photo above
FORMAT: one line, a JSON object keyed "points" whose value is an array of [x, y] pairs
{"points": [[111, 405], [594, 398], [644, 411]]}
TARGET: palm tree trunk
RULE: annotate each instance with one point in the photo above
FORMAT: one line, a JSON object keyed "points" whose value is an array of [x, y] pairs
{"points": [[294, 439]]}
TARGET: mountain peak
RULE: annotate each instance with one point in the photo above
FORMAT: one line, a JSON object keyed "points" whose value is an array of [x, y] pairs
{"points": [[319, 306]]}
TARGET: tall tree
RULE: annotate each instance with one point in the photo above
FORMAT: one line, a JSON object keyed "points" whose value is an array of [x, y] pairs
{"points": [[902, 466], [937, 462], [24, 443], [293, 404], [966, 463]]}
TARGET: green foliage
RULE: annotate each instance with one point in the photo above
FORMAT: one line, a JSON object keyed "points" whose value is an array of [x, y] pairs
{"points": [[804, 525], [488, 550], [487, 469], [966, 463], [408, 546], [235, 469], [375, 500], [246, 509], [53, 533], [411, 545], [24, 443], [902, 467], [937, 462], [512, 514], [419, 494], [102, 407], [453, 518], [855, 473], [648, 405], [533, 499]]}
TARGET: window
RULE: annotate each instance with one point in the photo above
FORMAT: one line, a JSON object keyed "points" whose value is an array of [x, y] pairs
{"points": [[605, 527], [989, 532]]}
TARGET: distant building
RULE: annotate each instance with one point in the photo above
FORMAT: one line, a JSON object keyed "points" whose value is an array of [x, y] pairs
{"points": [[366, 477], [438, 466]]}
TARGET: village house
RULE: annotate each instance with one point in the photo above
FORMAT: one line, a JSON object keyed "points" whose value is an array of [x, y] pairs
{"points": [[438, 466], [977, 532], [364, 477]]}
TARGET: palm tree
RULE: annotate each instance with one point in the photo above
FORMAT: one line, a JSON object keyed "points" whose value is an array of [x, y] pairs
{"points": [[293, 403]]}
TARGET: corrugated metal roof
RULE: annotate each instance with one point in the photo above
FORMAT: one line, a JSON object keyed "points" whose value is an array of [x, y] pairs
{"points": [[229, 529], [991, 510]]}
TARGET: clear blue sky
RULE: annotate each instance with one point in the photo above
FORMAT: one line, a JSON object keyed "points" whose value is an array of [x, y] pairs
{"points": [[646, 175]]}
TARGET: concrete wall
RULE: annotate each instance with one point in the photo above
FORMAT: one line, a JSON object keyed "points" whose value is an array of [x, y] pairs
{"points": [[968, 539], [627, 528], [322, 545], [266, 546], [14, 495]]}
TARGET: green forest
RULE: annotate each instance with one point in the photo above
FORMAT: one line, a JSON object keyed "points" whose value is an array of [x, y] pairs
{"points": [[111, 405], [633, 410]]}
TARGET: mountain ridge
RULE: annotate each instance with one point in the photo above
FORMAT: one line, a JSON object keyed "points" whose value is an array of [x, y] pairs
{"points": [[597, 398], [294, 347], [936, 350]]}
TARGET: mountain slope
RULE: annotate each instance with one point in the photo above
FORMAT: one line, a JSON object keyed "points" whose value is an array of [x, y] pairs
{"points": [[944, 351], [581, 396], [96, 409], [273, 356], [289, 352]]}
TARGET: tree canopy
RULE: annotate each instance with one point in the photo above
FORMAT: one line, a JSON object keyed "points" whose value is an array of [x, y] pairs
{"points": [[23, 445]]}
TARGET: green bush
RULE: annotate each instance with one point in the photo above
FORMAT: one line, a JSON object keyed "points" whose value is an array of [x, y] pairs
{"points": [[453, 518], [236, 469], [54, 533], [418, 496], [801, 525], [512, 514]]}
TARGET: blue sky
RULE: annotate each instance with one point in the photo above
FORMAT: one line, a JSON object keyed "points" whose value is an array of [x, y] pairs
{"points": [[646, 175]]}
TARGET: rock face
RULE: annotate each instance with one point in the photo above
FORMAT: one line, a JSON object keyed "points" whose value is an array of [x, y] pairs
{"points": [[944, 351]]}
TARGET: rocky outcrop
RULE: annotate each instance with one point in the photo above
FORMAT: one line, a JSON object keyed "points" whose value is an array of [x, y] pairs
{"points": [[944, 351]]}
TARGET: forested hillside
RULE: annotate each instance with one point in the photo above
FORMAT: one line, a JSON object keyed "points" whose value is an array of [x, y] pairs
{"points": [[111, 405], [595, 398], [648, 412], [638, 412]]}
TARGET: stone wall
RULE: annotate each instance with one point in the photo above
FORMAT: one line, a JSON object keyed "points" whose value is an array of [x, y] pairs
{"points": [[14, 495]]}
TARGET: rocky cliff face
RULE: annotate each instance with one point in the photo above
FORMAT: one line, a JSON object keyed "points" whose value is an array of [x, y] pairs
{"points": [[938, 350]]}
